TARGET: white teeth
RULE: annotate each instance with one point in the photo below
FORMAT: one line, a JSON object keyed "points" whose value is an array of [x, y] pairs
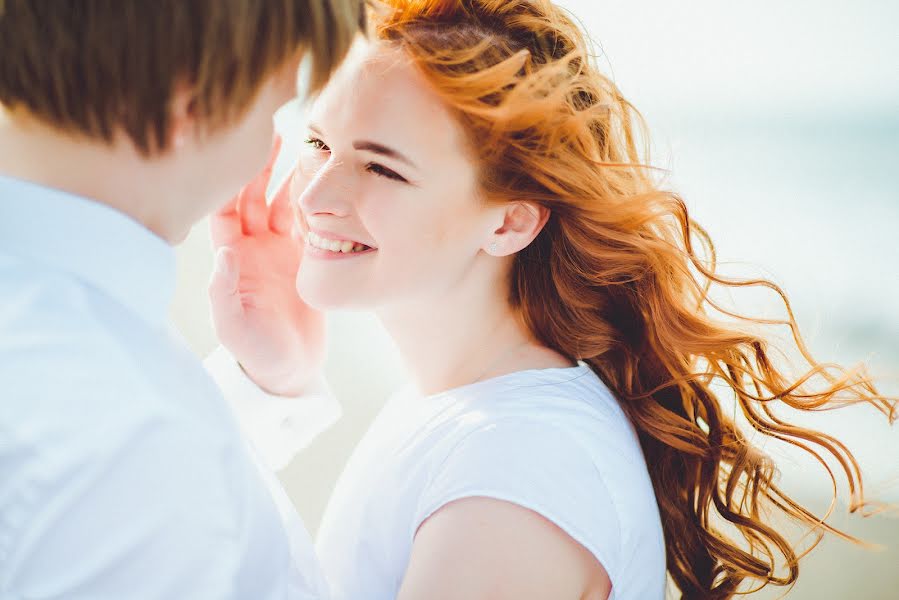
{"points": [[342, 246]]}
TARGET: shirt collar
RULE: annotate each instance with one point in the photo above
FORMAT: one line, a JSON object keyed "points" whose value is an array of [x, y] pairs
{"points": [[94, 242]]}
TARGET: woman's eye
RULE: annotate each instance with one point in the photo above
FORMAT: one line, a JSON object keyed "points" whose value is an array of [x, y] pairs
{"points": [[381, 171], [316, 143]]}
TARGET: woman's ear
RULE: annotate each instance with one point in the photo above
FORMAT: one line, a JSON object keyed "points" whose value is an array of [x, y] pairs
{"points": [[522, 222]]}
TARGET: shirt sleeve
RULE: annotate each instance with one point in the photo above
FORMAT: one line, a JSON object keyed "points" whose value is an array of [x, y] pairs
{"points": [[536, 466], [153, 508], [278, 427]]}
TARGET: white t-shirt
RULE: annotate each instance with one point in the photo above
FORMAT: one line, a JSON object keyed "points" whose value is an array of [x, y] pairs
{"points": [[552, 440]]}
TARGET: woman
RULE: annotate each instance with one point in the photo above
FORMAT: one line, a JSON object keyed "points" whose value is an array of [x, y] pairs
{"points": [[472, 178]]}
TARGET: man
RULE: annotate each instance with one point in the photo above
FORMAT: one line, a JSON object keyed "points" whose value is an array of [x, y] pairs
{"points": [[122, 471]]}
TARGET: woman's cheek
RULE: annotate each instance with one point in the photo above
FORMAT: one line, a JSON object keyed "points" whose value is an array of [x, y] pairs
{"points": [[381, 214]]}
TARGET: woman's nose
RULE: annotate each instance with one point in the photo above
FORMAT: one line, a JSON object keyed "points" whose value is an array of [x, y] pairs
{"points": [[327, 191]]}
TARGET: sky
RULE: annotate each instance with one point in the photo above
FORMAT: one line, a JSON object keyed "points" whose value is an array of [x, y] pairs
{"points": [[799, 56]]}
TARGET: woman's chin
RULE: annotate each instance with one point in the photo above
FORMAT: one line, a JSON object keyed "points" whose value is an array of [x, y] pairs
{"points": [[327, 297]]}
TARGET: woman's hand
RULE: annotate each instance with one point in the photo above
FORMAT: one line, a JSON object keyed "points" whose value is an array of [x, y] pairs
{"points": [[258, 316]]}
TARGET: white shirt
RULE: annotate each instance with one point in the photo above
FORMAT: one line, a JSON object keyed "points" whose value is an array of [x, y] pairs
{"points": [[122, 470], [554, 441]]}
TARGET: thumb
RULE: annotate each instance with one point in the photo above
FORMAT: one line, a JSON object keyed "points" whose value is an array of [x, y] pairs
{"points": [[224, 293]]}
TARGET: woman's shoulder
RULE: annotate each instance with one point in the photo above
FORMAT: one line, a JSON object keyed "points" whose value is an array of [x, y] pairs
{"points": [[571, 385], [555, 465], [536, 432], [573, 401], [563, 420], [566, 421]]}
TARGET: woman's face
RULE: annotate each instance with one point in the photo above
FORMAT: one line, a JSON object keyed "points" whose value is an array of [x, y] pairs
{"points": [[387, 190]]}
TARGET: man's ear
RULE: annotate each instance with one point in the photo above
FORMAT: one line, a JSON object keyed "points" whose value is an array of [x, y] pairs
{"points": [[182, 110], [522, 222]]}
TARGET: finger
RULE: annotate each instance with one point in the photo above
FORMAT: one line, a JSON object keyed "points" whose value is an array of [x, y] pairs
{"points": [[224, 292], [224, 225], [280, 213], [251, 201], [251, 206], [273, 156]]}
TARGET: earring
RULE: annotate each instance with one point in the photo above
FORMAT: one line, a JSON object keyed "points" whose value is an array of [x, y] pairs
{"points": [[493, 248]]}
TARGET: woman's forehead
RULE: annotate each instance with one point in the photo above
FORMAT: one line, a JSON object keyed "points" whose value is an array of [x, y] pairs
{"points": [[378, 91]]}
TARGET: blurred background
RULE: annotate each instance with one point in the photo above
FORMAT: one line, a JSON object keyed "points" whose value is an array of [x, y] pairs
{"points": [[779, 124]]}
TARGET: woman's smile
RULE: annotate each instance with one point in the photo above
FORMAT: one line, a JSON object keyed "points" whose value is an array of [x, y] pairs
{"points": [[330, 246]]}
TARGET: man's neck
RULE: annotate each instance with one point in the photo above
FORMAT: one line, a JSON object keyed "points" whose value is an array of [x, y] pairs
{"points": [[113, 174]]}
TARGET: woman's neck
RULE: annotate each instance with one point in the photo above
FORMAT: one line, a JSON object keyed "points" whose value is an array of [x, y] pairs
{"points": [[466, 336]]}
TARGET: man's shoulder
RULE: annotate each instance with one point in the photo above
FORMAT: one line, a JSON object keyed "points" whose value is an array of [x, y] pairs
{"points": [[76, 366], [74, 389], [50, 329], [62, 361]]}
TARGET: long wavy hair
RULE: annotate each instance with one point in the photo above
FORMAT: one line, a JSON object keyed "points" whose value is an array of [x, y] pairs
{"points": [[621, 277]]}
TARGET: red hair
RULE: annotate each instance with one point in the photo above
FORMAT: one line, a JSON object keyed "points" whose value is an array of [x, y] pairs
{"points": [[620, 278]]}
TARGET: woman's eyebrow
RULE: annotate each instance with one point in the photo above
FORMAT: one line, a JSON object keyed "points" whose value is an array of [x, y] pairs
{"points": [[383, 150], [372, 147]]}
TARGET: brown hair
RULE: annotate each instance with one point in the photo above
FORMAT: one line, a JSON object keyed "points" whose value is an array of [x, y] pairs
{"points": [[94, 66], [620, 277]]}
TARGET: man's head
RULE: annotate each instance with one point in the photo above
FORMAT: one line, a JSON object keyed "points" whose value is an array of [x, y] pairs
{"points": [[91, 67], [168, 80]]}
